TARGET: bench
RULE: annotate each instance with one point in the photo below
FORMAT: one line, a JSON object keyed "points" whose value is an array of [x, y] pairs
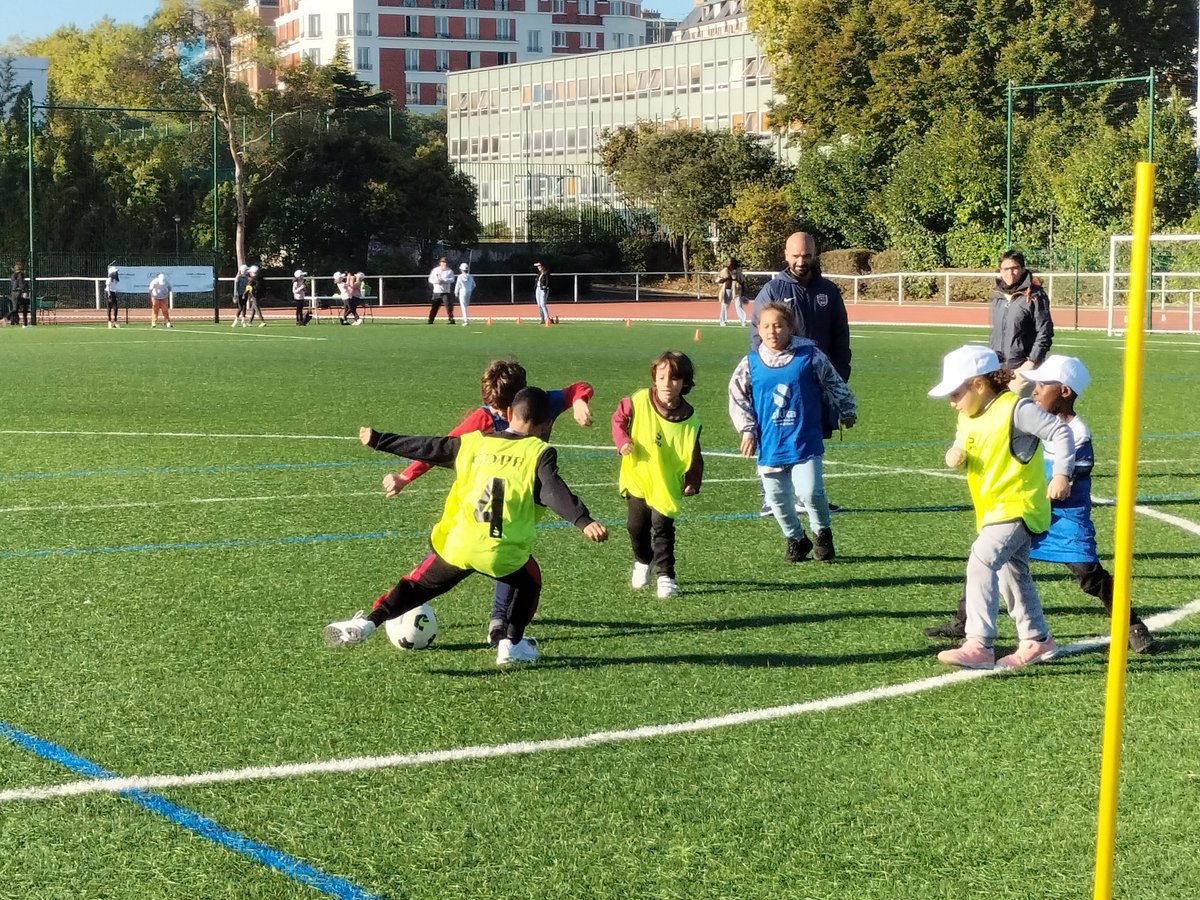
{"points": [[46, 309]]}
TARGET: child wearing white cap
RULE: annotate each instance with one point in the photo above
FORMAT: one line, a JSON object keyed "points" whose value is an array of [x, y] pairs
{"points": [[240, 286], [999, 441], [464, 287], [300, 297], [255, 290], [1071, 540]]}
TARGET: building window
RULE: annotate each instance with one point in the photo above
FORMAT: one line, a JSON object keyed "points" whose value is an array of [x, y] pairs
{"points": [[362, 57], [412, 26], [558, 38], [412, 94], [502, 5], [587, 40], [313, 56], [439, 4], [534, 44], [472, 32], [618, 41], [585, 7], [470, 4], [364, 24], [314, 26], [412, 60], [504, 30], [343, 24], [442, 60], [503, 59], [440, 95], [558, 6], [441, 26]]}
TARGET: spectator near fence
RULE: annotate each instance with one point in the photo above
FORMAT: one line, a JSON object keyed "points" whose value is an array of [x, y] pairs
{"points": [[1022, 331], [110, 295], [442, 278], [541, 291], [19, 294], [161, 294], [464, 287]]}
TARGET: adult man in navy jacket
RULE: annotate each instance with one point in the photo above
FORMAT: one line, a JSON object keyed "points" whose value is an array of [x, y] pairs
{"points": [[818, 311]]}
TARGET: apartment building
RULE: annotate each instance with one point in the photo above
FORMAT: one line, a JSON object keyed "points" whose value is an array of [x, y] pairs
{"points": [[410, 47], [528, 134]]}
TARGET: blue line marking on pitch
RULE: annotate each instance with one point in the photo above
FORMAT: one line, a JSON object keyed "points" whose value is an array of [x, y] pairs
{"points": [[194, 822]]}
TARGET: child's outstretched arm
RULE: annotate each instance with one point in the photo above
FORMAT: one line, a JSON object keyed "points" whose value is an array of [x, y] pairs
{"points": [[477, 420], [622, 421], [741, 408], [437, 451], [577, 397]]}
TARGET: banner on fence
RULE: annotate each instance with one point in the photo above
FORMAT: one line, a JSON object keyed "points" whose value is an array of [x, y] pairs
{"points": [[184, 279]]}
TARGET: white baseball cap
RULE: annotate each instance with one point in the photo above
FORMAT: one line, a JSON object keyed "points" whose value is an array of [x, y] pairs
{"points": [[1063, 370], [243, 268], [360, 275], [338, 276], [463, 266], [112, 270], [959, 365], [253, 270], [299, 273]]}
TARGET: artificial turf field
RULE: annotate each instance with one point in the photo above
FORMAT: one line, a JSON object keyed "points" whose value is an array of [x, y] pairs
{"points": [[182, 511]]}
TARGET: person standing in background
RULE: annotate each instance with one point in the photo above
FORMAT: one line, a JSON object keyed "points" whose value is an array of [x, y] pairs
{"points": [[239, 295], [541, 291], [464, 287], [442, 278], [1022, 330], [161, 295], [19, 292], [254, 292], [731, 283], [110, 295], [300, 297]]}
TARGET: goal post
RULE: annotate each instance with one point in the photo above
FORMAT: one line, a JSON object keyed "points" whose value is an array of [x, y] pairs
{"points": [[1184, 282]]}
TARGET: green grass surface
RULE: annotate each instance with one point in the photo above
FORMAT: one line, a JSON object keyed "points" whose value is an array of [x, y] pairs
{"points": [[181, 512]]}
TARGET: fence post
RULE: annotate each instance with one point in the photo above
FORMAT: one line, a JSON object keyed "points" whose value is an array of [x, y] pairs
{"points": [[637, 287], [900, 289], [947, 288], [574, 278], [512, 289], [1191, 310], [1050, 287]]}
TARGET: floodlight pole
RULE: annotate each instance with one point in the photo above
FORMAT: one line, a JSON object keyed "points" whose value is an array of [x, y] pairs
{"points": [[1008, 172], [30, 276]]}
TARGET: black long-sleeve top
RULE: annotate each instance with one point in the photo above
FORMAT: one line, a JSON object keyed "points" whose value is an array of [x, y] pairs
{"points": [[549, 489]]}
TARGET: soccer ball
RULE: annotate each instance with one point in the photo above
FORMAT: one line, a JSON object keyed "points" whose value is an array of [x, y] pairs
{"points": [[415, 630]]}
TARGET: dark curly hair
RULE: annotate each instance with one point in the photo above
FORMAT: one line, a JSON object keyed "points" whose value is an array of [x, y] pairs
{"points": [[501, 381]]}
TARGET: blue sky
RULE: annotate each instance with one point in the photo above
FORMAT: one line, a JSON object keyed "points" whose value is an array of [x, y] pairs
{"points": [[37, 20], [16, 20]]}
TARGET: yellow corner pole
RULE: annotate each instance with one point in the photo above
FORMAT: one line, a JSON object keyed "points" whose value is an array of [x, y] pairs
{"points": [[1131, 420]]}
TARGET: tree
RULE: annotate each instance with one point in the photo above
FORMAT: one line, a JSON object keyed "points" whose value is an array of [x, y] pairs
{"points": [[686, 177], [756, 226], [200, 35], [835, 190]]}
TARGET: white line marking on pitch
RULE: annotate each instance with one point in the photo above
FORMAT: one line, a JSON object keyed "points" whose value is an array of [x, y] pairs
{"points": [[526, 748]]}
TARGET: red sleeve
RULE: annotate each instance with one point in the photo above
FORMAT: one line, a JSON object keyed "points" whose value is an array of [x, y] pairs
{"points": [[621, 421], [478, 419], [580, 390]]}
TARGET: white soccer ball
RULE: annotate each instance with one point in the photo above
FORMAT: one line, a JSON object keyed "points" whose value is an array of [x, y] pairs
{"points": [[415, 630]]}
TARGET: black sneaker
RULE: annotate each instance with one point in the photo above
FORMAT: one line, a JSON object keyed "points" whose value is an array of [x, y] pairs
{"points": [[954, 630], [823, 550], [798, 549], [1140, 639]]}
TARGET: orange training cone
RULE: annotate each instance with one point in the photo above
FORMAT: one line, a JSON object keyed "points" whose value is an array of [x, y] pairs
{"points": [[518, 320], [628, 323], [489, 321], [547, 322], [697, 337]]}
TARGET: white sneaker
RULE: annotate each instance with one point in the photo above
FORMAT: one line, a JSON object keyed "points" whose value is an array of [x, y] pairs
{"points": [[524, 650], [667, 587], [110, 324], [116, 324], [358, 321], [153, 324], [233, 324], [262, 324], [169, 325], [352, 631], [641, 575]]}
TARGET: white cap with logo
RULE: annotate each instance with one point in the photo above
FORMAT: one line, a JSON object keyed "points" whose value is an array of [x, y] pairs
{"points": [[299, 273], [965, 362], [1061, 369]]}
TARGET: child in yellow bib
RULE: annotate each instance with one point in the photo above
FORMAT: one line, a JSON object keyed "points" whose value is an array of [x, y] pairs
{"points": [[999, 442], [657, 434], [488, 524]]}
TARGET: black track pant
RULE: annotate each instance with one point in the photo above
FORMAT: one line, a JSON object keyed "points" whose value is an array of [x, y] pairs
{"points": [[434, 577], [438, 300], [652, 535]]}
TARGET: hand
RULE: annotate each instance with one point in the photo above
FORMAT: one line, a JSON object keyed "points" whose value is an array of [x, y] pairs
{"points": [[1026, 366], [955, 457], [625, 449], [394, 484], [364, 435], [749, 445], [1059, 488], [847, 421], [690, 490], [594, 531], [582, 413]]}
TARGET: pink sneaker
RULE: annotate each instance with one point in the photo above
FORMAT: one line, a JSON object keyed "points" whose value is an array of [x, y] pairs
{"points": [[1029, 652], [971, 655]]}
